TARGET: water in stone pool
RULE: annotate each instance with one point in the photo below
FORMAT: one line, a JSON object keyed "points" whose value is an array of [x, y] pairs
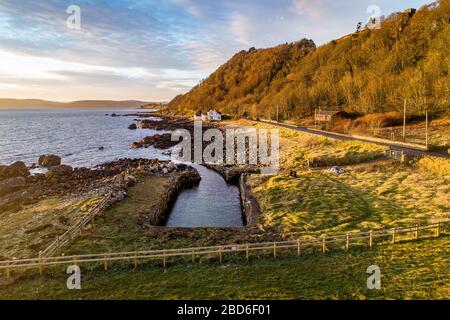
{"points": [[213, 203]]}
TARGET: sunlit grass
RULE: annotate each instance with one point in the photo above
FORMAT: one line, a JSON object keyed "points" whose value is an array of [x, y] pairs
{"points": [[26, 232], [366, 197], [412, 270]]}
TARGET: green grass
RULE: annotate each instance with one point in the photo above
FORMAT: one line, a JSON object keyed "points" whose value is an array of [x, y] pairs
{"points": [[117, 229], [24, 233], [413, 270], [371, 196], [301, 150]]}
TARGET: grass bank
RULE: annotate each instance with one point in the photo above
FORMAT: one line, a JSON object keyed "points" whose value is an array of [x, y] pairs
{"points": [[368, 196], [413, 270]]}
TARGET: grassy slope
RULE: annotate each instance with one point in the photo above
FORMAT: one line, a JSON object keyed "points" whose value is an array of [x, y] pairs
{"points": [[299, 149], [414, 270], [117, 229], [366, 197], [24, 233]]}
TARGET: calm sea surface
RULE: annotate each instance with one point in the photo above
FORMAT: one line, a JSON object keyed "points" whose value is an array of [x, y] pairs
{"points": [[77, 135], [74, 135]]}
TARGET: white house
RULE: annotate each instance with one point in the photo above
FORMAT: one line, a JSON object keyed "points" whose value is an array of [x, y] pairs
{"points": [[213, 115]]}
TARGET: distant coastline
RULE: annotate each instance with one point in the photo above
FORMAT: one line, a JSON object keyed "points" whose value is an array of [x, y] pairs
{"points": [[82, 104]]}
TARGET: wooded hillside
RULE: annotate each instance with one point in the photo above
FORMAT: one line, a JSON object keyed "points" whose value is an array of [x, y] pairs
{"points": [[365, 72]]}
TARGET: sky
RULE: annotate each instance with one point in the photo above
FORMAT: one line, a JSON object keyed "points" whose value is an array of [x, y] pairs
{"points": [[152, 50]]}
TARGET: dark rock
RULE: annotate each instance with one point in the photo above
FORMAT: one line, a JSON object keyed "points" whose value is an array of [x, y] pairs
{"points": [[132, 126], [17, 169], [49, 160], [136, 145], [60, 170], [101, 148], [11, 185], [130, 181]]}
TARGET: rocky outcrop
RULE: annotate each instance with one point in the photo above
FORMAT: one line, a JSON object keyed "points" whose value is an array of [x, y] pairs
{"points": [[60, 170], [49, 160], [17, 169], [159, 213], [159, 141], [132, 126]]}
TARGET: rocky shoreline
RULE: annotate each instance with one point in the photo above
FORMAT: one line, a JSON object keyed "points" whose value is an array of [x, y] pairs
{"points": [[18, 188]]}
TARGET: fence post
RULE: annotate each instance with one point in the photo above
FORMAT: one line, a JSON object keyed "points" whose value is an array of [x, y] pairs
{"points": [[394, 233], [220, 256], [347, 242], [416, 233], [438, 229], [164, 259], [275, 250], [105, 264], [40, 263], [8, 272], [135, 260], [298, 248], [370, 239], [57, 242], [193, 256], [324, 247], [247, 253]]}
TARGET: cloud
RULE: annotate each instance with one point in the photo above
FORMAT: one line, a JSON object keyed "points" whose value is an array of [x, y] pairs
{"points": [[152, 48], [240, 28], [313, 9]]}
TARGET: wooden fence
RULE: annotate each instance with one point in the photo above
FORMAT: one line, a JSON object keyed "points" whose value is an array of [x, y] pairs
{"points": [[343, 241], [75, 229]]}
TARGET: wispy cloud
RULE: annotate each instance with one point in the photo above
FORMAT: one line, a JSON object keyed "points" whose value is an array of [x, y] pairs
{"points": [[152, 49]]}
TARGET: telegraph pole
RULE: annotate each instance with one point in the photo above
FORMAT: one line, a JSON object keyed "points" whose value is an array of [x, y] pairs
{"points": [[426, 126], [404, 120]]}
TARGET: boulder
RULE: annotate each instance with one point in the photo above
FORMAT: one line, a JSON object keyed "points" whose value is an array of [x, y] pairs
{"points": [[136, 145], [17, 169], [130, 181], [132, 126], [60, 170], [49, 160]]}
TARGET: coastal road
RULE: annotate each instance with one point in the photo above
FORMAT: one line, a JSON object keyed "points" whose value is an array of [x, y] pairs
{"points": [[408, 151]]}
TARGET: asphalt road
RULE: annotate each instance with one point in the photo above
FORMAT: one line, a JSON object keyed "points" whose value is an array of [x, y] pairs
{"points": [[408, 151]]}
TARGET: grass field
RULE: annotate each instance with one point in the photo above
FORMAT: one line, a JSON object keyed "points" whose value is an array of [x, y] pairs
{"points": [[300, 150], [24, 233], [369, 196], [413, 270], [117, 229]]}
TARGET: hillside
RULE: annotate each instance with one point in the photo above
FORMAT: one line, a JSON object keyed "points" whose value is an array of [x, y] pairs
{"points": [[35, 103], [365, 72]]}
